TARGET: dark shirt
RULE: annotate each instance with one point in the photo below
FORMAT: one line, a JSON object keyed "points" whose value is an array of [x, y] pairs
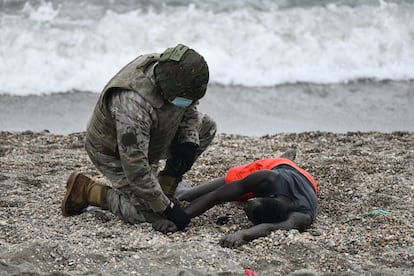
{"points": [[294, 185]]}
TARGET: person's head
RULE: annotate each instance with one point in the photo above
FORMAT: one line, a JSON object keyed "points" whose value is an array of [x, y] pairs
{"points": [[181, 72], [267, 210]]}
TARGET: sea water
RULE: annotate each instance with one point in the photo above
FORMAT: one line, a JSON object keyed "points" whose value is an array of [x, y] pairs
{"points": [[61, 45], [275, 65]]}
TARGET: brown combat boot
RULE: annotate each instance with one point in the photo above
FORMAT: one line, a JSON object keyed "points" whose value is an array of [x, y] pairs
{"points": [[81, 191]]}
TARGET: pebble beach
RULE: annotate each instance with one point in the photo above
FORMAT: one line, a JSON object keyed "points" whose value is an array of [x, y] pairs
{"points": [[364, 224], [332, 79]]}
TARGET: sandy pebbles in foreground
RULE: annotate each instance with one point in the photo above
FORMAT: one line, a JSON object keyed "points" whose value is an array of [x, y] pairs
{"points": [[357, 173]]}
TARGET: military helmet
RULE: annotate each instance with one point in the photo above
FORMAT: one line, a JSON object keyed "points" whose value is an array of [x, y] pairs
{"points": [[182, 72]]}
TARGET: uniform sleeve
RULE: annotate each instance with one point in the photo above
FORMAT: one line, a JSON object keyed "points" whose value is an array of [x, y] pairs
{"points": [[188, 130], [134, 118]]}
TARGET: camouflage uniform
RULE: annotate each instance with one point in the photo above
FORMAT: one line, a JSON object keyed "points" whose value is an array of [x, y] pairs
{"points": [[131, 130]]}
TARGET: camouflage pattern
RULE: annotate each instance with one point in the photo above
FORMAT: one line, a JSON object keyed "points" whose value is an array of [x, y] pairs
{"points": [[182, 72], [101, 126], [131, 129]]}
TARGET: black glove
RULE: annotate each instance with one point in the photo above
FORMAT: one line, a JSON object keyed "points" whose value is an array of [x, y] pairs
{"points": [[177, 215], [183, 158]]}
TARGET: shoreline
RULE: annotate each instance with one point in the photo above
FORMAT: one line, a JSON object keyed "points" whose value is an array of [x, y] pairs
{"points": [[252, 111]]}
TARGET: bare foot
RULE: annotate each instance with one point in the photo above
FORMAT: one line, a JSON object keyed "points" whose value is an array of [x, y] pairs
{"points": [[289, 154], [181, 191]]}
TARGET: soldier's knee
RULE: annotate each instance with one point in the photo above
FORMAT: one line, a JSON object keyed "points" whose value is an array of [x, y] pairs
{"points": [[120, 206]]}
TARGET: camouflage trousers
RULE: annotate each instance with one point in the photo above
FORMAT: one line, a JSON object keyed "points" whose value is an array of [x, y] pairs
{"points": [[121, 200]]}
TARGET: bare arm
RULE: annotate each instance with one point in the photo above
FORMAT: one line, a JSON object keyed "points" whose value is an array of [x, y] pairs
{"points": [[296, 220]]}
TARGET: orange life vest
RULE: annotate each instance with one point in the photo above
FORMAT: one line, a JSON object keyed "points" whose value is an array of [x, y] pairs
{"points": [[242, 171]]}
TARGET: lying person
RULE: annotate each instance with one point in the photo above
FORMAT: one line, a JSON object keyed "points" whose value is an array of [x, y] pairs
{"points": [[277, 194]]}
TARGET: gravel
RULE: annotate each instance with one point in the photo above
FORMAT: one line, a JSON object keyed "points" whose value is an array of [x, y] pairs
{"points": [[357, 173]]}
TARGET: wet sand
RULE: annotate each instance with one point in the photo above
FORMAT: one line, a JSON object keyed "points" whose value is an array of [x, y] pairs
{"points": [[359, 106]]}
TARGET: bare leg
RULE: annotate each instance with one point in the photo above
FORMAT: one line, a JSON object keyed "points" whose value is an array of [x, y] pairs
{"points": [[187, 193], [256, 182], [190, 193]]}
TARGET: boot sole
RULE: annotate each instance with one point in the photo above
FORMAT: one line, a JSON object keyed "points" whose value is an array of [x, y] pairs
{"points": [[69, 187]]}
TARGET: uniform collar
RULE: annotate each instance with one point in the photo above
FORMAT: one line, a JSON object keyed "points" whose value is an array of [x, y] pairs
{"points": [[149, 72]]}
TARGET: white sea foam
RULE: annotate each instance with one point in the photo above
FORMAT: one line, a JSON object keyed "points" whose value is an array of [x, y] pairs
{"points": [[46, 49]]}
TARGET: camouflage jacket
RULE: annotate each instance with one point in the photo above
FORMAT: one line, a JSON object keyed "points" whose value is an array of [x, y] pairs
{"points": [[132, 122]]}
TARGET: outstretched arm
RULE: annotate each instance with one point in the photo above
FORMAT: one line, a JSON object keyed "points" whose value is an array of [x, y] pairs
{"points": [[296, 220]]}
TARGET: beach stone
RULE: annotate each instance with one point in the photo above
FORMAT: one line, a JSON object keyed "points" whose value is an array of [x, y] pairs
{"points": [[357, 173]]}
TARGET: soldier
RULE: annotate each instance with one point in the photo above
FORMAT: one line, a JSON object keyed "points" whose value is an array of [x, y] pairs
{"points": [[146, 113]]}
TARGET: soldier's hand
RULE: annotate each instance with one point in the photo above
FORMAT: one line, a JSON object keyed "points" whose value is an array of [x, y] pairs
{"points": [[177, 215], [164, 226], [183, 158]]}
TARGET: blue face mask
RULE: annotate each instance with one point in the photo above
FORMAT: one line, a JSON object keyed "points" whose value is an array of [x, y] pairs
{"points": [[181, 102]]}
